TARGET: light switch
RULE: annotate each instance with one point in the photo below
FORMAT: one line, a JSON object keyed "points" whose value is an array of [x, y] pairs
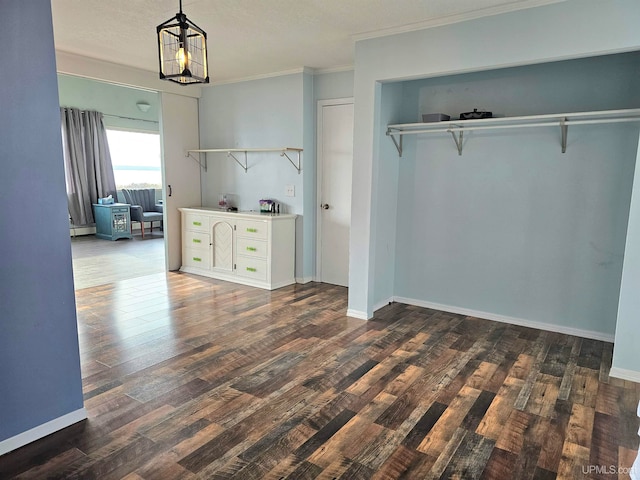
{"points": [[290, 190]]}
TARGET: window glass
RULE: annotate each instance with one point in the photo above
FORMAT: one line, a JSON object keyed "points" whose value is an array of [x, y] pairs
{"points": [[136, 159]]}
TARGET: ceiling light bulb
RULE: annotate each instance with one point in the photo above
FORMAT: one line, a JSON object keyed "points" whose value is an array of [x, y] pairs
{"points": [[183, 58]]}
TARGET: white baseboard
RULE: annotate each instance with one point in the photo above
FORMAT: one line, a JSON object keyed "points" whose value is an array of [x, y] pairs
{"points": [[79, 231], [41, 431], [625, 374], [506, 319], [383, 303], [304, 279], [357, 314]]}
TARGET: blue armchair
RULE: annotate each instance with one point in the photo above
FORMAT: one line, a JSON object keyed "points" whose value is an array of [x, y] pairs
{"points": [[143, 206]]}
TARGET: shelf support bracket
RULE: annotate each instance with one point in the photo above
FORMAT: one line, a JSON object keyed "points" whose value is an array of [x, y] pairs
{"points": [[297, 167], [243, 165], [396, 143], [563, 130], [458, 140], [203, 165]]}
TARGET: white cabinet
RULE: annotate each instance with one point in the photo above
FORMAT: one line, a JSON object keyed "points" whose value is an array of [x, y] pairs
{"points": [[249, 248]]}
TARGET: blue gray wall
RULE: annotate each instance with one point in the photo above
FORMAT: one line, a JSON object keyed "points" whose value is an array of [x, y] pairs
{"points": [[598, 27], [389, 99], [115, 101], [40, 376], [271, 112], [265, 113], [327, 86], [514, 227]]}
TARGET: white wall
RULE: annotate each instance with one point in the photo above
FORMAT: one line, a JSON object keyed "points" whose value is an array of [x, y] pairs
{"points": [[626, 361], [181, 174]]}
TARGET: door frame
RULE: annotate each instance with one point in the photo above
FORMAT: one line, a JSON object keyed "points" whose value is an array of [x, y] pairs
{"points": [[319, 168]]}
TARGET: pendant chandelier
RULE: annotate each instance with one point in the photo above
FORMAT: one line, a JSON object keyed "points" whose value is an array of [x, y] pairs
{"points": [[182, 50]]}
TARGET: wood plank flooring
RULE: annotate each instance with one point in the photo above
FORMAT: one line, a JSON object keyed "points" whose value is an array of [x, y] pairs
{"points": [[192, 378], [100, 262]]}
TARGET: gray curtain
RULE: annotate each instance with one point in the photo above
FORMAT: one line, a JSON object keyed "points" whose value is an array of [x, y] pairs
{"points": [[87, 162]]}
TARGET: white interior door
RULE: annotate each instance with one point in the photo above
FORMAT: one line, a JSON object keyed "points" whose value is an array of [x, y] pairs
{"points": [[181, 175], [335, 158]]}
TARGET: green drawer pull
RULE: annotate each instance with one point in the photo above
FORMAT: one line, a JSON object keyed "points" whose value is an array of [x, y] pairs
{"points": [[196, 240], [252, 230], [252, 249], [197, 259], [197, 224], [251, 269]]}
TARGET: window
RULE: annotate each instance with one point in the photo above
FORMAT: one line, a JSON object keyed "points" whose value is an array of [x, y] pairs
{"points": [[136, 159]]}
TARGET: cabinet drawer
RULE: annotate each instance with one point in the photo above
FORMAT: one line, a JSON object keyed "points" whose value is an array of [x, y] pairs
{"points": [[120, 210], [252, 247], [251, 268], [192, 257], [196, 222], [252, 228], [196, 240]]}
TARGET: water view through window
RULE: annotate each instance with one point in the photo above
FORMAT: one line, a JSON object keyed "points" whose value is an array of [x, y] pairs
{"points": [[136, 159]]}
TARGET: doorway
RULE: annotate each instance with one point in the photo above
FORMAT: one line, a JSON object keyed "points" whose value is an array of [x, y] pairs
{"points": [[335, 159]]}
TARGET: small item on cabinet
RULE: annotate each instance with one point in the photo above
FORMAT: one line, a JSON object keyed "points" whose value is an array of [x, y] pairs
{"points": [[106, 200], [278, 209], [265, 205], [222, 201], [475, 115]]}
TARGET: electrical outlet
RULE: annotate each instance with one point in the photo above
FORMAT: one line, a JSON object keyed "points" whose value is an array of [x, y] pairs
{"points": [[290, 190]]}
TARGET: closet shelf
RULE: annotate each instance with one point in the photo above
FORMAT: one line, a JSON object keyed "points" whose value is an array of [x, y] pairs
{"points": [[284, 152], [457, 127]]}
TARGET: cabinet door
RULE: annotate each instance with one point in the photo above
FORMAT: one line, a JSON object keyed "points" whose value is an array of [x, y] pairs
{"points": [[222, 236]]}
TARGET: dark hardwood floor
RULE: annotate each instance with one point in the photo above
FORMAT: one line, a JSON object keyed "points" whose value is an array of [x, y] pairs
{"points": [[187, 377]]}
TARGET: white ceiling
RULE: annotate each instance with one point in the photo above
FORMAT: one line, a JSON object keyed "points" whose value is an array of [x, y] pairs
{"points": [[248, 38]]}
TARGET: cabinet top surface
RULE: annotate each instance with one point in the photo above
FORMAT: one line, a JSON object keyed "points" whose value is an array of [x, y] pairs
{"points": [[111, 205], [255, 215]]}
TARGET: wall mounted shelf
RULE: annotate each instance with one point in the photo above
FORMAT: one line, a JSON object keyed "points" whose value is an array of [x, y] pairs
{"points": [[563, 120], [231, 152]]}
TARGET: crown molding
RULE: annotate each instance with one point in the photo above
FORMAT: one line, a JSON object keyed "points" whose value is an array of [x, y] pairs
{"points": [[339, 69], [68, 63], [263, 76], [451, 19]]}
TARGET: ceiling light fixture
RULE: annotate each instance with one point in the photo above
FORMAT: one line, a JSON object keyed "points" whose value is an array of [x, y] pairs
{"points": [[143, 106], [182, 50]]}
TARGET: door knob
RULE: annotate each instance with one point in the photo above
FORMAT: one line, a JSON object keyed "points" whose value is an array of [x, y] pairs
{"points": [[325, 206]]}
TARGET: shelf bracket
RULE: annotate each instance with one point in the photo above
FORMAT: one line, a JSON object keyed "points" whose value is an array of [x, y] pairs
{"points": [[563, 130], [458, 140], [395, 142], [203, 165], [243, 165], [297, 167]]}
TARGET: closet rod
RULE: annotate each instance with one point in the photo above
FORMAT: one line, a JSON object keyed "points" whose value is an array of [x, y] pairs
{"points": [[458, 128]]}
